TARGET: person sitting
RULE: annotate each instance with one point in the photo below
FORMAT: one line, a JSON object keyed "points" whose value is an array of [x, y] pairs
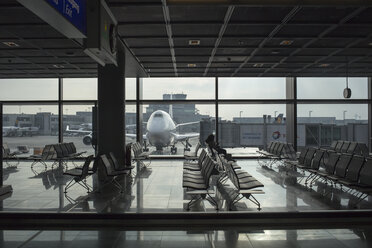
{"points": [[214, 145]]}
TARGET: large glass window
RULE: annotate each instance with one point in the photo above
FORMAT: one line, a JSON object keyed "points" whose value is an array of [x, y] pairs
{"points": [[130, 88], [28, 128], [80, 89], [320, 124], [28, 89], [250, 125], [77, 127], [130, 123], [178, 88], [251, 88], [331, 88], [169, 128]]}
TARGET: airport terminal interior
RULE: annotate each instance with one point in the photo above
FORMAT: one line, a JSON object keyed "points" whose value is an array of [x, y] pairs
{"points": [[182, 123]]}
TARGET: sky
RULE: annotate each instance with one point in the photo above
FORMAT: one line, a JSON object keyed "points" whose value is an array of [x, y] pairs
{"points": [[198, 88]]}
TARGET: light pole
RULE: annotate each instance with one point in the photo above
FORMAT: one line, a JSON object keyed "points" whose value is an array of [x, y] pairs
{"points": [[240, 114], [275, 113], [310, 111]]}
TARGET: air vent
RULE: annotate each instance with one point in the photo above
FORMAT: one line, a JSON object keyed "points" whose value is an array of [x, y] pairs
{"points": [[286, 42], [324, 65], [194, 42]]}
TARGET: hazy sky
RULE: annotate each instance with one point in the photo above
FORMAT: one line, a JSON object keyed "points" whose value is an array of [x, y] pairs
{"points": [[197, 88]]}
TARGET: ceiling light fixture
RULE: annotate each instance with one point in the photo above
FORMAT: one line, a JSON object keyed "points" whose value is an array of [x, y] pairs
{"points": [[194, 42], [324, 65], [275, 52], [10, 44], [286, 42], [370, 44], [258, 65], [191, 65], [58, 66]]}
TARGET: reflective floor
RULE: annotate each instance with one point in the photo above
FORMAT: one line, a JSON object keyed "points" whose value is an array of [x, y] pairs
{"points": [[158, 188], [338, 238]]}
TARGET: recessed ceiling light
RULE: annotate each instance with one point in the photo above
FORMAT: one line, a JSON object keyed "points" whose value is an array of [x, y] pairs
{"points": [[275, 52], [194, 42], [58, 66], [286, 42], [258, 65], [323, 65], [370, 44], [191, 65], [10, 44]]}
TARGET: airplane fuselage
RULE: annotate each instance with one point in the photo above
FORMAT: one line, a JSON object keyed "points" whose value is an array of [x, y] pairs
{"points": [[159, 129]]}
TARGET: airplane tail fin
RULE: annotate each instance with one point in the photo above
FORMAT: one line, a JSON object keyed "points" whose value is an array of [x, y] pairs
{"points": [[171, 107], [68, 128]]}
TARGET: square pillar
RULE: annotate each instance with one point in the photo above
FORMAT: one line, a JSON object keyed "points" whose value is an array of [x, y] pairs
{"points": [[291, 109], [370, 114], [139, 110], [111, 106]]}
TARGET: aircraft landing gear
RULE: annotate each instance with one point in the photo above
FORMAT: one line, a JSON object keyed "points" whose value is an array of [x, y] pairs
{"points": [[173, 150], [145, 149], [187, 145]]}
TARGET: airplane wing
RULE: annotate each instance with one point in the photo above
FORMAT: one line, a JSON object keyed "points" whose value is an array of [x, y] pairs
{"points": [[187, 123], [134, 136], [186, 136]]}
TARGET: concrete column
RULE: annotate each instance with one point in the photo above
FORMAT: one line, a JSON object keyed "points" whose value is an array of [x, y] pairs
{"points": [[60, 110], [291, 109], [111, 106], [139, 117], [370, 114]]}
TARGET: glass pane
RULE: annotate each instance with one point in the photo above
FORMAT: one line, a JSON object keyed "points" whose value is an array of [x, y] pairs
{"points": [[169, 126], [251, 125], [331, 88], [77, 126], [181, 88], [29, 89], [80, 88], [320, 124], [251, 88], [28, 128], [130, 89], [130, 122]]}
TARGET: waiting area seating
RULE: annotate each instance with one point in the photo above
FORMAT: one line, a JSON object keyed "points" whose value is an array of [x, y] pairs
{"points": [[197, 179], [343, 164], [11, 159], [139, 155], [62, 152], [276, 152]]}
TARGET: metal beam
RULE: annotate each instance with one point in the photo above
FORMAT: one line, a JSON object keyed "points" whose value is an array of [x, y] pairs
{"points": [[285, 20], [170, 35], [227, 18], [273, 2]]}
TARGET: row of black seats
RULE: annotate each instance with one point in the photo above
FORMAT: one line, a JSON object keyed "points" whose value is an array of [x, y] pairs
{"points": [[279, 150], [349, 147], [353, 171]]}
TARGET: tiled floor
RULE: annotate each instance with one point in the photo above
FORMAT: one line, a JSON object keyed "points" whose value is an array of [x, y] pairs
{"points": [[159, 189], [338, 238]]}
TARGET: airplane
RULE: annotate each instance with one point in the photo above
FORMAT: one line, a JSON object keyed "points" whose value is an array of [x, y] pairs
{"points": [[160, 132], [11, 131]]}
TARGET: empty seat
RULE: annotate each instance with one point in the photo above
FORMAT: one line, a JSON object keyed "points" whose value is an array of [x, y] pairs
{"points": [[341, 167], [352, 147], [339, 146], [345, 146], [352, 173]]}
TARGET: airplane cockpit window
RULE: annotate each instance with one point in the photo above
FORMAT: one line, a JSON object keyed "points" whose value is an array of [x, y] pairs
{"points": [[158, 115]]}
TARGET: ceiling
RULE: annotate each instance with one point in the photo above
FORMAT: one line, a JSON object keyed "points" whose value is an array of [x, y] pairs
{"points": [[235, 40]]}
